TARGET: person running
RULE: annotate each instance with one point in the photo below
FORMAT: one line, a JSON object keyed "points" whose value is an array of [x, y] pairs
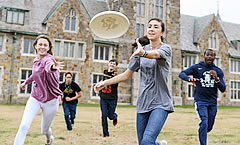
{"points": [[109, 98], [45, 93], [207, 80], [71, 93], [154, 101]]}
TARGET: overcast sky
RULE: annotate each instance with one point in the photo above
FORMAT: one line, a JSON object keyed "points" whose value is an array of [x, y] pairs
{"points": [[229, 10]]}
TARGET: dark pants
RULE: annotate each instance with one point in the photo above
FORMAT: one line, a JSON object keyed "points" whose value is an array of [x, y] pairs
{"points": [[69, 114], [206, 113], [108, 107]]}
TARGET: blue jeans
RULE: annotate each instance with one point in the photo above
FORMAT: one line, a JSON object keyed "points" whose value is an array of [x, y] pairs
{"points": [[206, 114], [69, 110], [108, 107], [149, 125]]}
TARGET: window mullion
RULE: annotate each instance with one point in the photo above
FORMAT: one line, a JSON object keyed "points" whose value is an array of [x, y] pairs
{"points": [[104, 53]]}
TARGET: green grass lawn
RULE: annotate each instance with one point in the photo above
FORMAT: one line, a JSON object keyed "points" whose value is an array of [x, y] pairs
{"points": [[181, 127]]}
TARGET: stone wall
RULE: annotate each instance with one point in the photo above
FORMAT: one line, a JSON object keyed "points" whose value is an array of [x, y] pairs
{"points": [[172, 38]]}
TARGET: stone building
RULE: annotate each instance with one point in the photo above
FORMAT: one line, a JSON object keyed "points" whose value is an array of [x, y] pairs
{"points": [[201, 33], [86, 55]]}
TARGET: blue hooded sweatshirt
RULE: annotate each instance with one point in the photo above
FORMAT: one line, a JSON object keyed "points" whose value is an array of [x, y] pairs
{"points": [[206, 88]]}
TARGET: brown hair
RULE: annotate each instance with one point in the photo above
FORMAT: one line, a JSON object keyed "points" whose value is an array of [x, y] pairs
{"points": [[114, 60], [142, 40], [68, 73], [50, 51]]}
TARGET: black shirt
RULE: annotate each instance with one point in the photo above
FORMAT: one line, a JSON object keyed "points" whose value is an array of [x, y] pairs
{"points": [[70, 91], [110, 91]]}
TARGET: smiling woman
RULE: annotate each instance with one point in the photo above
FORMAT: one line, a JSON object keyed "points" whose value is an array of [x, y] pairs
{"points": [[45, 93], [154, 100]]}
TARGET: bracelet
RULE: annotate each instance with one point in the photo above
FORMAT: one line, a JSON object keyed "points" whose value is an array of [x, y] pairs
{"points": [[145, 53], [217, 81]]}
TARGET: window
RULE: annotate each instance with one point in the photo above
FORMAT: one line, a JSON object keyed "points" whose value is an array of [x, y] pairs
{"points": [[62, 76], [142, 30], [212, 41], [57, 48], [1, 42], [80, 50], [235, 90], [139, 30], [217, 62], [190, 91], [188, 61], [96, 78], [24, 76], [235, 66], [159, 8], [70, 20], [68, 49], [15, 17], [101, 52], [140, 7], [28, 46]]}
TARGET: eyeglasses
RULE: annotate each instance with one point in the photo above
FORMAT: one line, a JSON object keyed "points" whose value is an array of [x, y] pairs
{"points": [[68, 77]]}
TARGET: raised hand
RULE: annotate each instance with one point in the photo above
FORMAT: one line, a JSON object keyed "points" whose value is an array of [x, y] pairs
{"points": [[193, 81], [22, 86], [139, 51], [115, 73], [214, 74], [57, 65], [98, 86]]}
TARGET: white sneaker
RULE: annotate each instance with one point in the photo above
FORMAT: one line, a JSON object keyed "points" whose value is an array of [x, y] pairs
{"points": [[51, 141], [163, 142]]}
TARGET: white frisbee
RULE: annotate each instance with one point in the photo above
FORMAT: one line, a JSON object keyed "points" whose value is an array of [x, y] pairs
{"points": [[109, 24]]}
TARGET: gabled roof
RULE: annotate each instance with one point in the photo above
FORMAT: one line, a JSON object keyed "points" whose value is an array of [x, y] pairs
{"points": [[187, 33], [52, 11], [91, 7], [191, 29], [200, 25], [231, 30], [94, 7]]}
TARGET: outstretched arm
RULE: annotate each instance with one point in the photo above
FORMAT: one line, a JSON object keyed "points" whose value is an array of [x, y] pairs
{"points": [[184, 75], [152, 54], [117, 79]]}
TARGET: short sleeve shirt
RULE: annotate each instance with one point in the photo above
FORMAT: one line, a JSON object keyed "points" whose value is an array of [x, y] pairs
{"points": [[153, 90]]}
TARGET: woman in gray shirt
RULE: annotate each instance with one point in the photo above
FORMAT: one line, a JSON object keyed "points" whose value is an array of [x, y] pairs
{"points": [[154, 101]]}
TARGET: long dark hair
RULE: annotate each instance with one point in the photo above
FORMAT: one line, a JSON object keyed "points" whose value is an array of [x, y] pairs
{"points": [[162, 25], [142, 40]]}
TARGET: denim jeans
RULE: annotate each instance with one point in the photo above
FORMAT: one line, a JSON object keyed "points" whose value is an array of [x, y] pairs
{"points": [[108, 107], [149, 125], [69, 110], [206, 114]]}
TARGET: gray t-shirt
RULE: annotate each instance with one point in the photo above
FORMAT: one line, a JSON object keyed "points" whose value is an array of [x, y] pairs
{"points": [[153, 90]]}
